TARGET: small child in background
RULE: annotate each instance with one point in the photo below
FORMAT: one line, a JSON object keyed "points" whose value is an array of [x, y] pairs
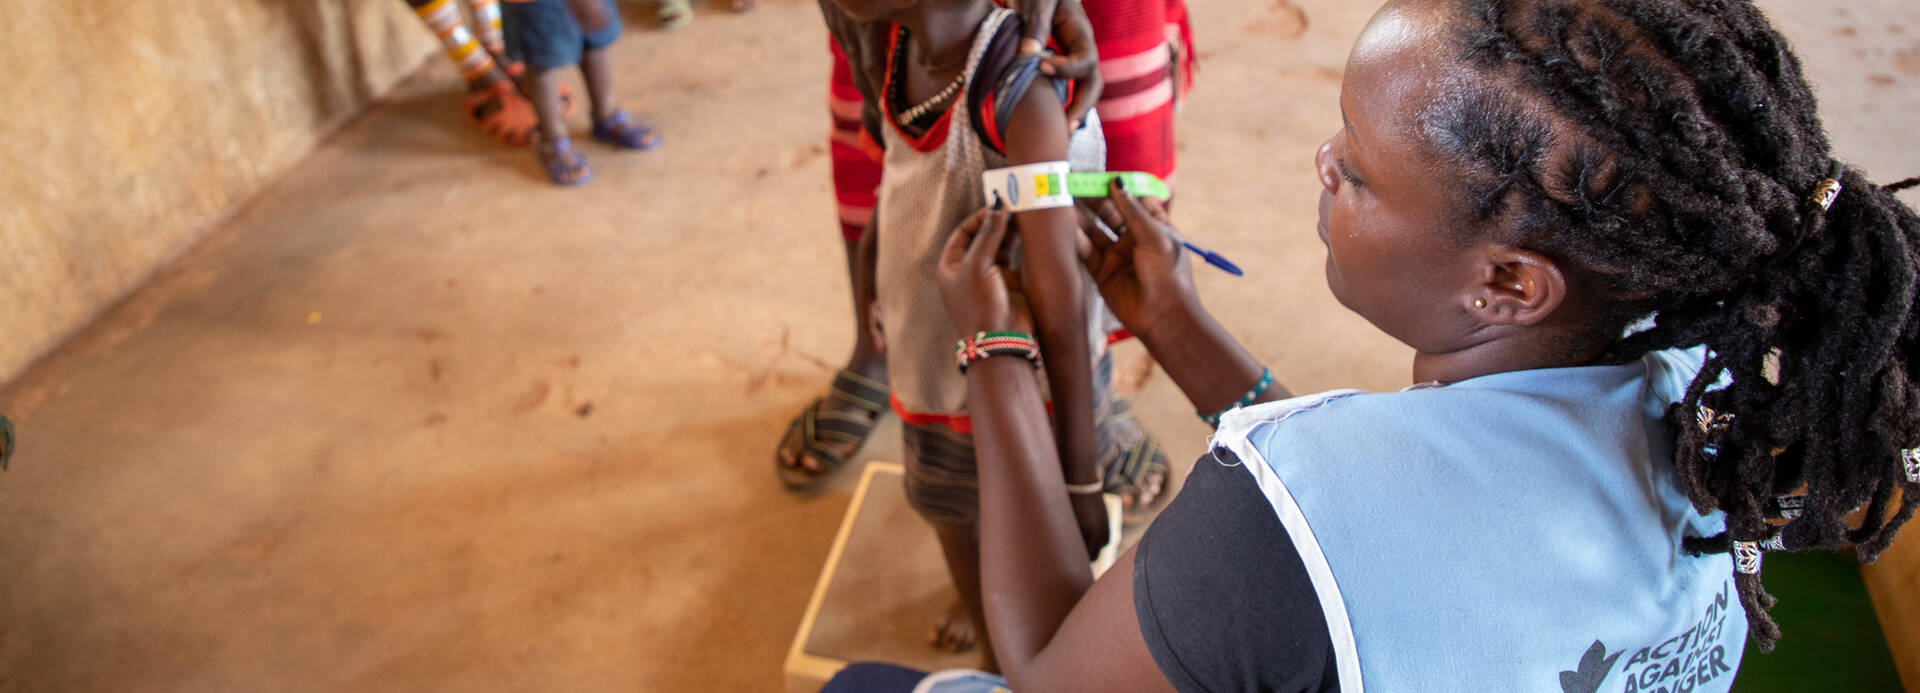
{"points": [[551, 34]]}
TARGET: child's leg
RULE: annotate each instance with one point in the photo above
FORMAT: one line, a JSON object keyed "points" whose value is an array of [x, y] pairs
{"points": [[475, 63], [486, 24], [964, 624], [942, 484], [563, 165], [542, 86], [610, 124], [599, 78], [856, 183]]}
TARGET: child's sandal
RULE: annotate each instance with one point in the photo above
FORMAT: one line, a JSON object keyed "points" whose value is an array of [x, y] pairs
{"points": [[564, 166], [829, 438], [674, 14], [624, 131], [502, 113]]}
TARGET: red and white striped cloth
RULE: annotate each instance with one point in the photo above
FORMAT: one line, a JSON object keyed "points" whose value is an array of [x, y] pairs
{"points": [[856, 159], [1135, 39]]}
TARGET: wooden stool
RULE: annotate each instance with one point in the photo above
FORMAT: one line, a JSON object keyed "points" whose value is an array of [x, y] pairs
{"points": [[883, 588]]}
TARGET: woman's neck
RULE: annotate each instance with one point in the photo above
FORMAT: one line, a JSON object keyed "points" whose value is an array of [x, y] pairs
{"points": [[942, 32], [1524, 350]]}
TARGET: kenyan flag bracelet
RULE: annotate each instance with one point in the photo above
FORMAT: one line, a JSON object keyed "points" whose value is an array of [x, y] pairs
{"points": [[998, 343]]}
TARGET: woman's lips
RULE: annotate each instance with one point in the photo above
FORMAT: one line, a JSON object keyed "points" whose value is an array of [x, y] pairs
{"points": [[1326, 201]]}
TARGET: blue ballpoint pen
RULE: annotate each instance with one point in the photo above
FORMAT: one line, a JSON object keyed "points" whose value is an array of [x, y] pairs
{"points": [[1212, 258]]}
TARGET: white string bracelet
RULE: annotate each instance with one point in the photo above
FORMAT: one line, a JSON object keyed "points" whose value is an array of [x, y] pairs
{"points": [[1086, 489]]}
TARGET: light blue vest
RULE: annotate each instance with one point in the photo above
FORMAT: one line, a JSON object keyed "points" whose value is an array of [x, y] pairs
{"points": [[1518, 531]]}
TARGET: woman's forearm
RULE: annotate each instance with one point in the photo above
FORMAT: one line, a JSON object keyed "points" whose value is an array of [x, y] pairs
{"points": [[1211, 367], [1060, 316], [1033, 567]]}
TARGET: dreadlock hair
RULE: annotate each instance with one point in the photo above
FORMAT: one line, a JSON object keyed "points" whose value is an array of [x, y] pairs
{"points": [[1666, 151]]}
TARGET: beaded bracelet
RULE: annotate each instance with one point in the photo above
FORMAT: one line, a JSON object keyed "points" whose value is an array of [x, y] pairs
{"points": [[999, 343], [1259, 388]]}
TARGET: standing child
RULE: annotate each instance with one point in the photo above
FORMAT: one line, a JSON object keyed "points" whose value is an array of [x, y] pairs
{"points": [[954, 103], [549, 35]]}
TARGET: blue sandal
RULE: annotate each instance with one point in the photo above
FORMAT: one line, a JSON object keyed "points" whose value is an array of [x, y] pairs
{"points": [[564, 165], [624, 131]]}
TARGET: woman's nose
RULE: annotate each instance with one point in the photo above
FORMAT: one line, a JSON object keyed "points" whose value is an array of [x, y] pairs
{"points": [[1328, 170]]}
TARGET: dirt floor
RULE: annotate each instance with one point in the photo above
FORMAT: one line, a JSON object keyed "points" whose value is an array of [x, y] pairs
{"points": [[414, 419]]}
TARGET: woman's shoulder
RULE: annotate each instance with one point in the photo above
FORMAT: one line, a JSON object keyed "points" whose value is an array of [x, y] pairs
{"points": [[1338, 414], [1222, 595], [1508, 400]]}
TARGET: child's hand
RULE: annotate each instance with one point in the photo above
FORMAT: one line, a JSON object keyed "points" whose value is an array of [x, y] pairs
{"points": [[1144, 276], [981, 292], [1067, 21]]}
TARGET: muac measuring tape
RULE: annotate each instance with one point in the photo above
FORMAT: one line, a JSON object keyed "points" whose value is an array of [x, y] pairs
{"points": [[1052, 184]]}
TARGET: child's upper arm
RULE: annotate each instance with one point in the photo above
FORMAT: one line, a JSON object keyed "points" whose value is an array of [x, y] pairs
{"points": [[1037, 132], [1037, 129]]}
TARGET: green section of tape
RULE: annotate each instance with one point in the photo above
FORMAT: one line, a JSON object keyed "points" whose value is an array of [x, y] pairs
{"points": [[1140, 183], [6, 441]]}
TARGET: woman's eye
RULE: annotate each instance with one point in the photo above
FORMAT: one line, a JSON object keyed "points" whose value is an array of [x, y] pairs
{"points": [[1346, 172]]}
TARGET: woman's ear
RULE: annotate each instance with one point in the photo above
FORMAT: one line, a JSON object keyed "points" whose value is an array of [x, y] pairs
{"points": [[1515, 287]]}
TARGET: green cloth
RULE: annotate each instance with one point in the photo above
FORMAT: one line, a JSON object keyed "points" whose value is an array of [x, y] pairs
{"points": [[1830, 639]]}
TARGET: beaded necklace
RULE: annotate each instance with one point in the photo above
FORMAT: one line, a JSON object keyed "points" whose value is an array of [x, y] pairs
{"points": [[907, 117]]}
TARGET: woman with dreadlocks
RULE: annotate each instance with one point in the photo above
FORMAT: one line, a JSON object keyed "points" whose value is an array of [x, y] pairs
{"points": [[1658, 328]]}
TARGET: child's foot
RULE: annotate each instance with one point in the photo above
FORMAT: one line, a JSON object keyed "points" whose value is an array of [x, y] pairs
{"points": [[626, 132], [956, 631], [564, 165]]}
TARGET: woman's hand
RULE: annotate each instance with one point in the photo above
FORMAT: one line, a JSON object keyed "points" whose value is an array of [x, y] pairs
{"points": [[982, 294], [1144, 276]]}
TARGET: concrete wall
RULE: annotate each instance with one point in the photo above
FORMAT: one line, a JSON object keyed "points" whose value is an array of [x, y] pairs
{"points": [[128, 128]]}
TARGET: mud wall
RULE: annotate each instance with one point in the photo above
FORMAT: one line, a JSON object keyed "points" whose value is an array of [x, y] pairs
{"points": [[127, 129]]}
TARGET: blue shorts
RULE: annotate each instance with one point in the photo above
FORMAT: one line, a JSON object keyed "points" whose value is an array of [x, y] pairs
{"points": [[544, 34]]}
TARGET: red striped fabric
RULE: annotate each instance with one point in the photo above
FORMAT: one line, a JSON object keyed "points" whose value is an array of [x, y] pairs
{"points": [[1136, 107], [856, 166]]}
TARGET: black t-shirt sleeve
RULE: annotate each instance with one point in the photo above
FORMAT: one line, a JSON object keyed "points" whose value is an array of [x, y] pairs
{"points": [[1223, 598]]}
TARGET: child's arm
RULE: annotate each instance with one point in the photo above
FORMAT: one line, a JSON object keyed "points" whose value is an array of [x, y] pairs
{"points": [[1050, 271]]}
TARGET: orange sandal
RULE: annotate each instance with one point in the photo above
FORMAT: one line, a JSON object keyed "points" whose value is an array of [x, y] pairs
{"points": [[502, 112]]}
